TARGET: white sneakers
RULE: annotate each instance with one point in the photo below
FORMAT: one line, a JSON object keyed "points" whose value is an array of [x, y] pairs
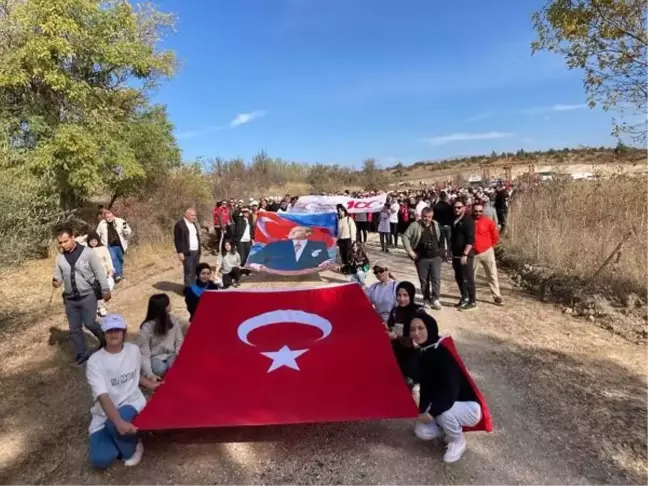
{"points": [[137, 457], [454, 451], [431, 431], [428, 431], [436, 305]]}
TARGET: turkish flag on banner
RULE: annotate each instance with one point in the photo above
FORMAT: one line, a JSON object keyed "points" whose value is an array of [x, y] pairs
{"points": [[281, 357]]}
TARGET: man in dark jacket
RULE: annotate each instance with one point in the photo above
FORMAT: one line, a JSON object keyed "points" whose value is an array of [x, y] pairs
{"points": [[444, 215], [463, 255], [186, 235], [501, 206]]}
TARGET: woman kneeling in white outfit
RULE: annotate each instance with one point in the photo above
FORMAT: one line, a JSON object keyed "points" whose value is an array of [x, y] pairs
{"points": [[113, 373], [448, 402]]}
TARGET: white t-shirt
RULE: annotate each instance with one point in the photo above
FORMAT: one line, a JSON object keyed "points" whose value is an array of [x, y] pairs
{"points": [[419, 208], [394, 213], [383, 297], [193, 236], [117, 375], [246, 233]]}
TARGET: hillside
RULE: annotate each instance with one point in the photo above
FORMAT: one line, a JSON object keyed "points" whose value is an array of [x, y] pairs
{"points": [[601, 161]]}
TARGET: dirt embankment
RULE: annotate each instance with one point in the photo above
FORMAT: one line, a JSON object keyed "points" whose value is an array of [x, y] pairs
{"points": [[626, 316]]}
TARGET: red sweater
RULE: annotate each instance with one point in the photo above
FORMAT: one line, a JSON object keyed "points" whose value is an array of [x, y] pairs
{"points": [[486, 234]]}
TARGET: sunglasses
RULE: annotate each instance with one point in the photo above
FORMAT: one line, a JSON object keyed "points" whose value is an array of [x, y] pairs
{"points": [[458, 207], [378, 272]]}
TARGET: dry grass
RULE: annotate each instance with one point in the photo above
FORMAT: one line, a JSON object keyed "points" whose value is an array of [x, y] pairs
{"points": [[573, 227]]}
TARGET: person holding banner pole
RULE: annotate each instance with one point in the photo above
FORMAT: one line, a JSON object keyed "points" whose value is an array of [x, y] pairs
{"points": [[346, 232]]}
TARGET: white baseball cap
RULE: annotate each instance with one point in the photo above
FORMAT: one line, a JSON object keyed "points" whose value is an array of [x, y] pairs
{"points": [[113, 321]]}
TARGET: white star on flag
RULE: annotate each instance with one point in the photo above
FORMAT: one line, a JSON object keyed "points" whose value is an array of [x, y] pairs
{"points": [[284, 357]]}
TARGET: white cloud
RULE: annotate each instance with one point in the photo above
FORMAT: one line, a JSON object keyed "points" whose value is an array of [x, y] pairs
{"points": [[478, 117], [548, 109], [202, 131], [465, 137], [240, 119], [243, 118]]}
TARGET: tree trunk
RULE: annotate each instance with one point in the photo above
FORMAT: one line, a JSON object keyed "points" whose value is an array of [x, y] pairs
{"points": [[114, 198]]}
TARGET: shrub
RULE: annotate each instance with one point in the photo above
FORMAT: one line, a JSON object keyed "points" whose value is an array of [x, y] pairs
{"points": [[574, 226], [29, 210]]}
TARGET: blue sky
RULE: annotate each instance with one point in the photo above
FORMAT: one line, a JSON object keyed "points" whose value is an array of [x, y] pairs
{"points": [[337, 81]]}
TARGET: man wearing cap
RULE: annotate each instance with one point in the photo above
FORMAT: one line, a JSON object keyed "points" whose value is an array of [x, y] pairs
{"points": [[82, 275], [113, 374]]}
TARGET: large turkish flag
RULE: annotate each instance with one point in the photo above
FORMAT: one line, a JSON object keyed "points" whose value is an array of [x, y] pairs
{"points": [[281, 357]]}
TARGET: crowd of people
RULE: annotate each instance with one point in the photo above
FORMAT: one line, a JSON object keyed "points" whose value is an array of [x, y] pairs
{"points": [[458, 225]]}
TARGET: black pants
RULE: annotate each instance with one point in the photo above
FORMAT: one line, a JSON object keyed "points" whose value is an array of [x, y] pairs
{"points": [[429, 274], [345, 251], [189, 265], [394, 233], [243, 248], [465, 277], [501, 217], [230, 278], [362, 227], [82, 312], [446, 234], [384, 240]]}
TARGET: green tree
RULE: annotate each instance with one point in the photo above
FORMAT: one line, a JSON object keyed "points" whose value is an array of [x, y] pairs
{"points": [[74, 82], [606, 39], [373, 177]]}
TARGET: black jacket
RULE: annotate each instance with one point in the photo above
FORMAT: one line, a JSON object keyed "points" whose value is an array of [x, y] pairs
{"points": [[181, 237], [239, 227], [443, 213], [442, 382], [463, 233], [191, 299], [501, 201]]}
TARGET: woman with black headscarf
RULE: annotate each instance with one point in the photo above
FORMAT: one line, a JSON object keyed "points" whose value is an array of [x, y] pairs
{"points": [[398, 325], [448, 402], [194, 291]]}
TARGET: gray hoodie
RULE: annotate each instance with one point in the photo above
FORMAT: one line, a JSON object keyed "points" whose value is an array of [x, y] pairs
{"points": [[88, 268]]}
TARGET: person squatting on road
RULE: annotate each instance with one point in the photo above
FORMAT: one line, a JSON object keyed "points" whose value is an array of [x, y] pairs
{"points": [[447, 401], [463, 254], [113, 374], [83, 277], [229, 265], [203, 281], [486, 237], [382, 294], [159, 339], [425, 245]]}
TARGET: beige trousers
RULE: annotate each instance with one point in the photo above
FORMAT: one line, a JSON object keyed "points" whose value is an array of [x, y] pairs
{"points": [[487, 261]]}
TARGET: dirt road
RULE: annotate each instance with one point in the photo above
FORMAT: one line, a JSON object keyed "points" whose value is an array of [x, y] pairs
{"points": [[568, 401]]}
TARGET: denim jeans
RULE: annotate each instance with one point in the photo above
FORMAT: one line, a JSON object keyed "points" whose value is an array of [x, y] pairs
{"points": [[117, 257], [107, 444]]}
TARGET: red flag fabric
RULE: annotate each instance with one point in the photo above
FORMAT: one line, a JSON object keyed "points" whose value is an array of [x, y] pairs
{"points": [[486, 422], [281, 357]]}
